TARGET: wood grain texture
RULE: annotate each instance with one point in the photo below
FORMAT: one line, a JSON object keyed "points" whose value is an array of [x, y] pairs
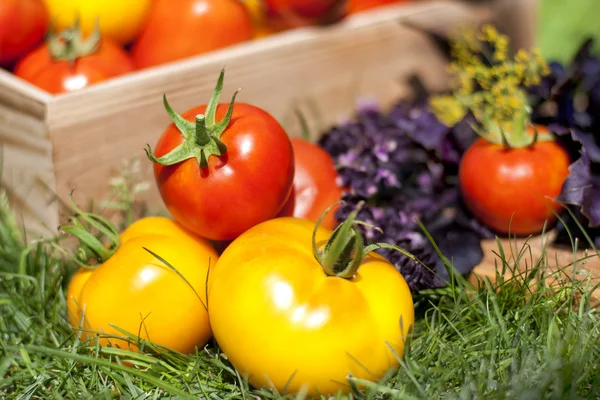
{"points": [[27, 168], [326, 69], [20, 95]]}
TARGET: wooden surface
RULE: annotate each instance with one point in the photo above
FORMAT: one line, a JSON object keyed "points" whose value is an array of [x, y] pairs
{"points": [[561, 264], [326, 69], [26, 153]]}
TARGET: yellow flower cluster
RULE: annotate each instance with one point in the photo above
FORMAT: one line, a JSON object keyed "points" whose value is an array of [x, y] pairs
{"points": [[486, 82]]}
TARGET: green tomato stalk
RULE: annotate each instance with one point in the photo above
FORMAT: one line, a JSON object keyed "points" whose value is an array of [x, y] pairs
{"points": [[69, 44], [490, 86], [342, 254], [202, 138]]}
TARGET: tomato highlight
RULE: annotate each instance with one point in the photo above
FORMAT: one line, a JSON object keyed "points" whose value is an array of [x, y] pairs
{"points": [[223, 168], [300, 308], [178, 29], [150, 282], [67, 62]]}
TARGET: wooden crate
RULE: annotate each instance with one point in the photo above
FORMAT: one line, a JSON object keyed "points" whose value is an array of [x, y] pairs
{"points": [[52, 144]]}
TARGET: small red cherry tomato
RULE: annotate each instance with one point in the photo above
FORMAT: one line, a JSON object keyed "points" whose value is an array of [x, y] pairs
{"points": [[67, 62]]}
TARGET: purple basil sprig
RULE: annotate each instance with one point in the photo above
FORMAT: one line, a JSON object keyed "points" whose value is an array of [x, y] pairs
{"points": [[403, 164]]}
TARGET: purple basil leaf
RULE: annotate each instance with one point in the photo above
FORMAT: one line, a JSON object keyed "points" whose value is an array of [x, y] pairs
{"points": [[591, 203], [578, 181], [588, 142], [582, 189], [461, 247]]}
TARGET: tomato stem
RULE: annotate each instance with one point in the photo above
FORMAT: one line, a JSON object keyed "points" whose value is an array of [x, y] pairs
{"points": [[202, 135], [202, 138], [342, 254], [69, 44]]}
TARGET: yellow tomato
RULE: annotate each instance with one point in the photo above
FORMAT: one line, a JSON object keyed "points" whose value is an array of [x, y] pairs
{"points": [[135, 291], [282, 320], [75, 285], [258, 12], [120, 20]]}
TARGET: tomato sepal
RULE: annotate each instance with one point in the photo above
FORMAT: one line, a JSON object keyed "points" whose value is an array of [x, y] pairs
{"points": [[202, 138], [69, 44], [518, 137], [342, 254]]}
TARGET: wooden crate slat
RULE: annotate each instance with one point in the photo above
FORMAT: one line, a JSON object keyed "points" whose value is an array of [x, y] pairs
{"points": [[330, 69], [27, 169], [22, 96]]}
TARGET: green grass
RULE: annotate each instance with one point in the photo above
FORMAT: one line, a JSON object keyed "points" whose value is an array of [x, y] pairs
{"points": [[509, 340]]}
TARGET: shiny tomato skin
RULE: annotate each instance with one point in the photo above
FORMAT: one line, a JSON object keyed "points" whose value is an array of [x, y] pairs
{"points": [[56, 77], [249, 184], [178, 29], [305, 8], [23, 24], [258, 14], [496, 182], [133, 285], [78, 280], [315, 184], [355, 6], [119, 20], [283, 322], [290, 14]]}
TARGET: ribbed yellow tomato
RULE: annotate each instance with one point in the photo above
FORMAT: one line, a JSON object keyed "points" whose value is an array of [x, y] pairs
{"points": [[120, 20], [135, 291], [282, 320]]}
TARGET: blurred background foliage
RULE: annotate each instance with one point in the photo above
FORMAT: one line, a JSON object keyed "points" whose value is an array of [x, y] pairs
{"points": [[562, 25]]}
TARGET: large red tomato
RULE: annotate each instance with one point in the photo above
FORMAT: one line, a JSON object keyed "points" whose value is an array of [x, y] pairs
{"points": [[58, 66], [178, 29], [223, 173], [315, 184], [497, 182], [23, 24]]}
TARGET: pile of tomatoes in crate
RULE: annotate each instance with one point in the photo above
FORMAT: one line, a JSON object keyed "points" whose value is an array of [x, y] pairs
{"points": [[61, 46]]}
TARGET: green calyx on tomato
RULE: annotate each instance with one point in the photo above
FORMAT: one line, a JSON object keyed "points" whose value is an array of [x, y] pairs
{"points": [[202, 138], [69, 44], [492, 89], [342, 254]]}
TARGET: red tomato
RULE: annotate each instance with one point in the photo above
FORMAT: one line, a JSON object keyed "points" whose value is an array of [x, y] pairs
{"points": [[23, 24], [315, 184], [355, 6], [219, 196], [65, 69], [296, 13], [178, 29], [497, 182]]}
